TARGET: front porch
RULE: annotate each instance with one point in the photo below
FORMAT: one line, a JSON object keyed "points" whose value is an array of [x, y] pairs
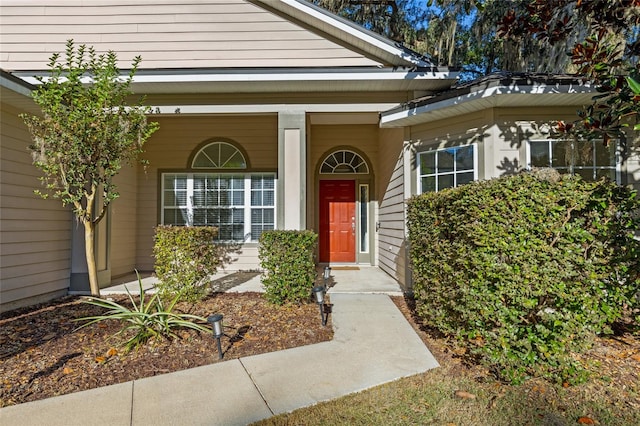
{"points": [[343, 279]]}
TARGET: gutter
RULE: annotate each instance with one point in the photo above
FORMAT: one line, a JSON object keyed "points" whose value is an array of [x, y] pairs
{"points": [[488, 88]]}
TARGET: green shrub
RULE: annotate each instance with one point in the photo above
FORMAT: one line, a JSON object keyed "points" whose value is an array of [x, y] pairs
{"points": [[524, 270], [288, 266], [186, 257], [147, 319]]}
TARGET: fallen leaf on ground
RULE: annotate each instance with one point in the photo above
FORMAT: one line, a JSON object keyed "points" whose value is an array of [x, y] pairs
{"points": [[100, 359], [67, 370], [112, 352], [465, 395], [586, 421]]}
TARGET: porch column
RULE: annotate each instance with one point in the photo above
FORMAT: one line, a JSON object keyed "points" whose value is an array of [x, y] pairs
{"points": [[292, 170]]}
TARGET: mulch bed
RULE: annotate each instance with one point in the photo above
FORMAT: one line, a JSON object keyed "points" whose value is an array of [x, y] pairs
{"points": [[42, 356]]}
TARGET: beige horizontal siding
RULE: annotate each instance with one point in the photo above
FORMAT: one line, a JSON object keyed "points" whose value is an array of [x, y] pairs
{"points": [[391, 206], [35, 234], [123, 223], [170, 34], [244, 258], [169, 149]]}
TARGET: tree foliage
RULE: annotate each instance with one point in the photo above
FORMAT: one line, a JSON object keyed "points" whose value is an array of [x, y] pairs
{"points": [[391, 18], [86, 132], [598, 39], [605, 48]]}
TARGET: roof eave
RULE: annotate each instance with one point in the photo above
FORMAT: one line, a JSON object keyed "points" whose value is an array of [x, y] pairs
{"points": [[470, 99], [282, 80]]}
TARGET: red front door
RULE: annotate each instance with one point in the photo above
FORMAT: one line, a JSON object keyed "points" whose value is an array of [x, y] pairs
{"points": [[337, 221]]}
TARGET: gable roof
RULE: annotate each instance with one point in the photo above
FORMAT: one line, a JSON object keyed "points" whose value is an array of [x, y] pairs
{"points": [[495, 90], [204, 46], [336, 27]]}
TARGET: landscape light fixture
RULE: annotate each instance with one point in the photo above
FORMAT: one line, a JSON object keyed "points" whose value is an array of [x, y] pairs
{"points": [[216, 322], [318, 292], [325, 275]]}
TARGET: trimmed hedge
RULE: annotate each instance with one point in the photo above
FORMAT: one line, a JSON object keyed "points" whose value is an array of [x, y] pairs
{"points": [[524, 269], [288, 266], [186, 256]]}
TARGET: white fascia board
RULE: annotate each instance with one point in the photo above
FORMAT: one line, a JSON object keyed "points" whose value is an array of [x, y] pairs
{"points": [[330, 76], [352, 30], [230, 77], [268, 108], [489, 97], [374, 75]]}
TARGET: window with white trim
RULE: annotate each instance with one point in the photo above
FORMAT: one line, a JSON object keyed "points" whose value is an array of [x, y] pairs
{"points": [[241, 205], [447, 168], [590, 158]]}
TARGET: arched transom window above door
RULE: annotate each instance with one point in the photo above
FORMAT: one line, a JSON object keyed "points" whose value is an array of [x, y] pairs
{"points": [[219, 155], [344, 161]]}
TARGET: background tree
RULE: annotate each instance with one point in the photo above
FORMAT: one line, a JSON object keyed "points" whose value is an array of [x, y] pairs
{"points": [[392, 18], [597, 39], [86, 132], [455, 33], [604, 48]]}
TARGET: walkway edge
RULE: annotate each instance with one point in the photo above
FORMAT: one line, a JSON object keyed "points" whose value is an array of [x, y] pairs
{"points": [[373, 344]]}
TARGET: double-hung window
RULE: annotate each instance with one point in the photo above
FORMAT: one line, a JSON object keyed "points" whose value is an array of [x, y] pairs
{"points": [[447, 168], [240, 205], [588, 158]]}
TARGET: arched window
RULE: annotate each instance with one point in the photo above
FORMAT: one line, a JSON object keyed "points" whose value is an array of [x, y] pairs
{"points": [[344, 161], [219, 155], [218, 192]]}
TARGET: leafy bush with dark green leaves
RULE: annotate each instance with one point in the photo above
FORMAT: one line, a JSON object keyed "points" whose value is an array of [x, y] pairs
{"points": [[288, 266], [523, 270], [146, 319], [186, 256]]}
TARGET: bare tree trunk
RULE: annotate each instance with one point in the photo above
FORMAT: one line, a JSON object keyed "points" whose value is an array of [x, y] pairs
{"points": [[89, 246], [452, 42]]}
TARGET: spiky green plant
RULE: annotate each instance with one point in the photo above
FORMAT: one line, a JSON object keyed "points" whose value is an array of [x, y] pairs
{"points": [[148, 319]]}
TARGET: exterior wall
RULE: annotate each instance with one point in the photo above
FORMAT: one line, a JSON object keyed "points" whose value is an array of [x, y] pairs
{"points": [[513, 128], [390, 184], [169, 150], [122, 248], [166, 33], [472, 128], [35, 234], [500, 133]]}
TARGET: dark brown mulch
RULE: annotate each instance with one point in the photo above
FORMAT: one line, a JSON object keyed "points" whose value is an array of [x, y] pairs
{"points": [[42, 356]]}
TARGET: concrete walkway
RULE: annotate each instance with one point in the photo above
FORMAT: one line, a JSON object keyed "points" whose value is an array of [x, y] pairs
{"points": [[372, 344]]}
